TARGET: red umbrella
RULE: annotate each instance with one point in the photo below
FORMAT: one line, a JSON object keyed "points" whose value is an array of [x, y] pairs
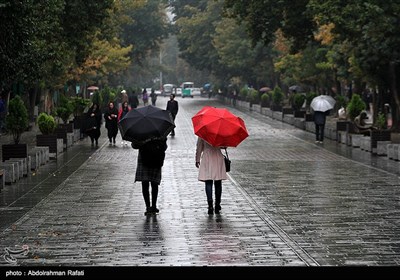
{"points": [[264, 89], [219, 127], [93, 88]]}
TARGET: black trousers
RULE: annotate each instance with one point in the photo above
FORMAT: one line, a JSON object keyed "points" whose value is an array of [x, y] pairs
{"points": [[319, 132]]}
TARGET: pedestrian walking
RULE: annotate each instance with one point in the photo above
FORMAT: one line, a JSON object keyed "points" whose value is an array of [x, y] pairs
{"points": [[133, 100], [173, 107], [111, 117], [211, 165], [145, 97], [93, 123], [319, 121], [153, 97], [148, 171], [121, 113]]}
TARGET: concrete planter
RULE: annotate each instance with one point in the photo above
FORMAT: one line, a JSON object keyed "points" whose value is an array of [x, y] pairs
{"points": [[14, 151]]}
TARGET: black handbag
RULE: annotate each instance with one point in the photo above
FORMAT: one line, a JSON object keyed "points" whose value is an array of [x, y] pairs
{"points": [[227, 161]]}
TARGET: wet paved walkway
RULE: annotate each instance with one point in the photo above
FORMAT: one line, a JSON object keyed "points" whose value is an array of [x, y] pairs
{"points": [[288, 202]]}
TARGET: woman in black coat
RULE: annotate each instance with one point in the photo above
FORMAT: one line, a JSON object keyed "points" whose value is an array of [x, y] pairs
{"points": [[93, 123], [148, 171], [111, 117]]}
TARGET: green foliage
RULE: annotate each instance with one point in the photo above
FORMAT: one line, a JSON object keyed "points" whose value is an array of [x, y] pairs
{"points": [[309, 97], [243, 93], [263, 18], [341, 101], [265, 99], [108, 95], [17, 118], [380, 122], [355, 106], [79, 104], [277, 96], [254, 96], [97, 98], [46, 123], [298, 100], [65, 108]]}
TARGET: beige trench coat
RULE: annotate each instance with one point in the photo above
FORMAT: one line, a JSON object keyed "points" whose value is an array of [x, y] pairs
{"points": [[212, 165]]}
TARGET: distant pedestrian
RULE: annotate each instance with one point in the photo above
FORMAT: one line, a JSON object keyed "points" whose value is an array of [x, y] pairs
{"points": [[111, 117], [211, 164], [173, 107], [153, 97], [149, 168], [93, 123], [121, 113], [145, 97], [319, 121], [133, 100], [124, 97]]}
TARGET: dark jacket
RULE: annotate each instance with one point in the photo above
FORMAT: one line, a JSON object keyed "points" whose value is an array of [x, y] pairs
{"points": [[320, 117], [173, 107], [153, 153]]}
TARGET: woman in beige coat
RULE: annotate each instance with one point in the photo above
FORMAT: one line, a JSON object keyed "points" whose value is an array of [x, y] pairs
{"points": [[210, 162]]}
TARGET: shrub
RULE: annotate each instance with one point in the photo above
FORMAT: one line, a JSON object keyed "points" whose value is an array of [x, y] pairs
{"points": [[298, 101], [265, 100], [65, 108], [243, 94], [79, 104], [341, 101], [46, 123], [17, 118], [254, 97], [277, 96], [380, 122], [309, 97], [355, 106]]}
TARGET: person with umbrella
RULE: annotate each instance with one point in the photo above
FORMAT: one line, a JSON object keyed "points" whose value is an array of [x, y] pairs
{"points": [[319, 121], [149, 170], [217, 128], [211, 165], [321, 105], [147, 128]]}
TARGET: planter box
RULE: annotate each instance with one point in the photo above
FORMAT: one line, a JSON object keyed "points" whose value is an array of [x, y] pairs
{"points": [[299, 114], [62, 134], [277, 108], [395, 137], [378, 135], [54, 143], [287, 111], [69, 127], [308, 117], [14, 151]]}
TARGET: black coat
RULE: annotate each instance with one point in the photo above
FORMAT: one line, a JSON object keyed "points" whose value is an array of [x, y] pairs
{"points": [[320, 117], [173, 107]]}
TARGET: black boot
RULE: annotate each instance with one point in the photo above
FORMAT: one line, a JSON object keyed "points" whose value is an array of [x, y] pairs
{"points": [[218, 193], [210, 207], [217, 206]]}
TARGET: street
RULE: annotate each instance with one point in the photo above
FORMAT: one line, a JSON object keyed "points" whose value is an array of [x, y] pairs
{"points": [[288, 202]]}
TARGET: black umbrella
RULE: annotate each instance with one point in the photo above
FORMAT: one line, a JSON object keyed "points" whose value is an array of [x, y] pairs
{"points": [[146, 123]]}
